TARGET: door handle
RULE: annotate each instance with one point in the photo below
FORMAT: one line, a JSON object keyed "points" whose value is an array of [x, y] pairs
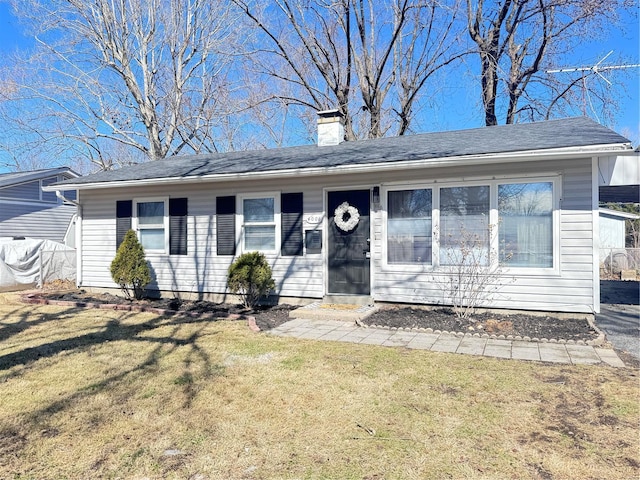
{"points": [[367, 250]]}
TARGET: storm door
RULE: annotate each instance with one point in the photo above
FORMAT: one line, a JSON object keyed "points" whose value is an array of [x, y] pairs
{"points": [[348, 242]]}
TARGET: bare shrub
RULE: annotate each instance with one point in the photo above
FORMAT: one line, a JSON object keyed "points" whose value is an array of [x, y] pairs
{"points": [[472, 275]]}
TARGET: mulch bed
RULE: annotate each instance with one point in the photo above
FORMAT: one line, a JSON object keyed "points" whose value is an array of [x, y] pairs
{"points": [[513, 325], [268, 317], [265, 318]]}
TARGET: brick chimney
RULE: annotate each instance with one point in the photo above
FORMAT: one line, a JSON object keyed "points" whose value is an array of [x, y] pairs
{"points": [[330, 128]]}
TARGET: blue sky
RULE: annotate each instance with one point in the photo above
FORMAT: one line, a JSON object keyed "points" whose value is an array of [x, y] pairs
{"points": [[456, 114], [11, 35]]}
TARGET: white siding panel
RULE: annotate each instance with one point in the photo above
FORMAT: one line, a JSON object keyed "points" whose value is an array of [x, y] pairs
{"points": [[576, 231], [201, 269], [568, 288]]}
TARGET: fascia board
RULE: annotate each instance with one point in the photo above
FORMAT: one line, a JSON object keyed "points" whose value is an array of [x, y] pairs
{"points": [[619, 214]]}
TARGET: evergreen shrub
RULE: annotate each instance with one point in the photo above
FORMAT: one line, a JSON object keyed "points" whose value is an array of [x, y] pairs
{"points": [[250, 276], [129, 268]]}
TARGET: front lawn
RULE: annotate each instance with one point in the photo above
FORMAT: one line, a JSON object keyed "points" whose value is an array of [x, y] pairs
{"points": [[112, 394]]}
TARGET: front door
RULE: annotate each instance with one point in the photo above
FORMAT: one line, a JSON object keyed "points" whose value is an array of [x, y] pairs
{"points": [[348, 242]]}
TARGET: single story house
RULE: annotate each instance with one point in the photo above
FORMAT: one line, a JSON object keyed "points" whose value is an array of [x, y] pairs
{"points": [[382, 220], [28, 211]]}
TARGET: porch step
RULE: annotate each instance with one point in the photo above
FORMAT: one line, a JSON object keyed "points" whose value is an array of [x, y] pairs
{"points": [[334, 311], [348, 299]]}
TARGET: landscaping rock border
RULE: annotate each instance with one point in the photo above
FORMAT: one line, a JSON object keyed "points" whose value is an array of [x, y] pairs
{"points": [[598, 342]]}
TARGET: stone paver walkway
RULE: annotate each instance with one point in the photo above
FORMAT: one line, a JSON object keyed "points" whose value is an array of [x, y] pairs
{"points": [[339, 331]]}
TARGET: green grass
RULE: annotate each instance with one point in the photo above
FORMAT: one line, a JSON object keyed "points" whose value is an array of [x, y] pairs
{"points": [[107, 394]]}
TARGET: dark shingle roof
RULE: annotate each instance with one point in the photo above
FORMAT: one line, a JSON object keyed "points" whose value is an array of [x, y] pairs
{"points": [[572, 132], [14, 178]]}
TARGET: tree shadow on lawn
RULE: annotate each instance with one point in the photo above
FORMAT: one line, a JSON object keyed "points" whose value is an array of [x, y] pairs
{"points": [[114, 330], [25, 321]]}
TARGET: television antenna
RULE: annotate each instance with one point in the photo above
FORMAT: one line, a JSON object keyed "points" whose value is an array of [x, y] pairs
{"points": [[597, 69]]}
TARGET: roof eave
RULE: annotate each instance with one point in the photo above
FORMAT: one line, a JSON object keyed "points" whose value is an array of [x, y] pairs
{"points": [[31, 176], [618, 213], [462, 160]]}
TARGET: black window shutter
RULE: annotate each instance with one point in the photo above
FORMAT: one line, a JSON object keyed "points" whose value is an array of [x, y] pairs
{"points": [[291, 224], [178, 226], [124, 210], [226, 225]]}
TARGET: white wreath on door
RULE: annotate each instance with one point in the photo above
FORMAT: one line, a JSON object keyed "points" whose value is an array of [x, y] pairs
{"points": [[346, 217]]}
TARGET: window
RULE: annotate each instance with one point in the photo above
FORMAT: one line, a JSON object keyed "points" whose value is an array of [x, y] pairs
{"points": [[464, 225], [409, 226], [151, 224], [526, 224], [259, 224], [511, 223], [48, 196]]}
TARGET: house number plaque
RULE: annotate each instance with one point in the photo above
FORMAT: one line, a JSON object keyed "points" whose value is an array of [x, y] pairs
{"points": [[313, 219]]}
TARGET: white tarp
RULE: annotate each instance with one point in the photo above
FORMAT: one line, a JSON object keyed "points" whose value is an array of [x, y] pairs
{"points": [[30, 262]]}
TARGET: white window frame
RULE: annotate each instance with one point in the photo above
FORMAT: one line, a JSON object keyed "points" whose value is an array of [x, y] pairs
{"points": [[384, 200], [493, 220], [275, 223], [135, 224], [554, 178], [555, 225]]}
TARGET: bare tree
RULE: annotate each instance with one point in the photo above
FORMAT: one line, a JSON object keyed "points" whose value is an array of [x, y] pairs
{"points": [[370, 59], [518, 40], [149, 75]]}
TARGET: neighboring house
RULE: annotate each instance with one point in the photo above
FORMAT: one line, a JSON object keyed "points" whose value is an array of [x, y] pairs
{"points": [[614, 256], [28, 211], [379, 220], [613, 228]]}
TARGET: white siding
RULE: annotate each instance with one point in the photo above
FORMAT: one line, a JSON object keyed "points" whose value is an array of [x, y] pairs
{"points": [[619, 170], [567, 288], [612, 232], [201, 270], [570, 288]]}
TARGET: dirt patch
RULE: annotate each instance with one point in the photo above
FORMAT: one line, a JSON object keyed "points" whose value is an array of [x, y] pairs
{"points": [[514, 324]]}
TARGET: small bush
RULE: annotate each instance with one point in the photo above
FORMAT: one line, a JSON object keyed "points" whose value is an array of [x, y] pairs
{"points": [[250, 276], [472, 275], [129, 268]]}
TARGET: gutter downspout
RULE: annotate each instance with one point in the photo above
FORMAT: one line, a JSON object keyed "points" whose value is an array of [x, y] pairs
{"points": [[61, 196]]}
